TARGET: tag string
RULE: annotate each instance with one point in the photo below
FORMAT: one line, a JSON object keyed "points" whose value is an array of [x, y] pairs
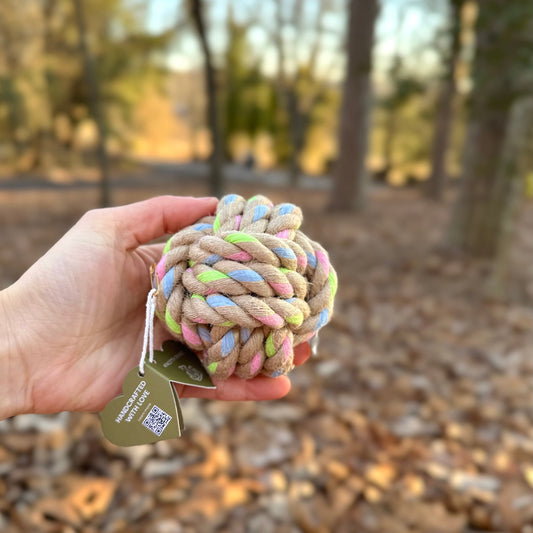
{"points": [[148, 340], [314, 344]]}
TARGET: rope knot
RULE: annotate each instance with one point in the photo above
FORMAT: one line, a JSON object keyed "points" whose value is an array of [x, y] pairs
{"points": [[245, 286]]}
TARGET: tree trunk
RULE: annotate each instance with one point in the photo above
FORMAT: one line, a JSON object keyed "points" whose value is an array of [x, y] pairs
{"points": [[298, 105], [94, 103], [504, 46], [296, 137], [45, 136], [8, 85], [388, 142], [437, 179], [216, 159], [298, 125], [470, 224], [444, 120], [508, 194], [288, 97], [348, 192], [14, 120]]}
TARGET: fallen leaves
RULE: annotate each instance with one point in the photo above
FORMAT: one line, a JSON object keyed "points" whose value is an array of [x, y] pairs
{"points": [[416, 417]]}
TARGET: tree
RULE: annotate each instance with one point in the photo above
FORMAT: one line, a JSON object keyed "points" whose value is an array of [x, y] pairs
{"points": [[249, 100], [516, 163], [13, 38], [444, 118], [94, 103], [196, 8], [348, 191], [300, 83], [404, 87], [236, 76], [502, 75], [44, 94]]}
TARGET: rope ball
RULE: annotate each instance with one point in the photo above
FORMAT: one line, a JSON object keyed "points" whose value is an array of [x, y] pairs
{"points": [[245, 286]]}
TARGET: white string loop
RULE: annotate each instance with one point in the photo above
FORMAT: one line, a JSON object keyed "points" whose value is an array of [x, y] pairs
{"points": [[314, 344], [148, 340]]}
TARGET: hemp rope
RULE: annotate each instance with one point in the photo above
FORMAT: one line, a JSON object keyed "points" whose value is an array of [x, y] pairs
{"points": [[244, 287]]}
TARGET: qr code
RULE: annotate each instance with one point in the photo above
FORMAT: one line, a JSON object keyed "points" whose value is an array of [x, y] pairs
{"points": [[157, 420]]}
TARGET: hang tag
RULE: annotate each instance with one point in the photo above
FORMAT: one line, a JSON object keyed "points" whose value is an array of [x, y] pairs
{"points": [[148, 409]]}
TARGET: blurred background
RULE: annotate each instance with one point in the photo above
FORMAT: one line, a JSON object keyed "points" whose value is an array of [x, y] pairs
{"points": [[404, 129]]}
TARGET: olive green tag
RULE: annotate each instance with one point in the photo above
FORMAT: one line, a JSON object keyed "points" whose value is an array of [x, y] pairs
{"points": [[149, 408]]}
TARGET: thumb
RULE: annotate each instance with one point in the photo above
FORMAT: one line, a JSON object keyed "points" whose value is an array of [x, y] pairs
{"points": [[144, 221]]}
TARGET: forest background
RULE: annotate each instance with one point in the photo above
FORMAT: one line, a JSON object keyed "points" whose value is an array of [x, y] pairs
{"points": [[404, 129]]}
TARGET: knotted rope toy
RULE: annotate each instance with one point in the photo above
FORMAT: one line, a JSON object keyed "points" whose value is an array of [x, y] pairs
{"points": [[244, 287]]}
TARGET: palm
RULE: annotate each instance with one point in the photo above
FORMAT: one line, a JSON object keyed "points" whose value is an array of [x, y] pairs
{"points": [[93, 319]]}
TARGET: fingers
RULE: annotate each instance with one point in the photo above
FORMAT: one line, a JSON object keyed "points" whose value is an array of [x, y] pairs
{"points": [[236, 389], [302, 353], [144, 221], [259, 388]]}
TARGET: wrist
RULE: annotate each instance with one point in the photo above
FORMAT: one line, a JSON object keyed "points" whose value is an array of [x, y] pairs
{"points": [[14, 383]]}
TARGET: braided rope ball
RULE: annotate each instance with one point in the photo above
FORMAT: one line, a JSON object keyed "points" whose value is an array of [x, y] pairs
{"points": [[244, 287]]}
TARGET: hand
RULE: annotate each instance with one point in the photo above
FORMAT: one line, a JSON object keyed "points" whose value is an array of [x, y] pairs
{"points": [[71, 327]]}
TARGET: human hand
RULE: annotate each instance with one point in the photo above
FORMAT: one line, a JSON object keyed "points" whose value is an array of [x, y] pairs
{"points": [[71, 327]]}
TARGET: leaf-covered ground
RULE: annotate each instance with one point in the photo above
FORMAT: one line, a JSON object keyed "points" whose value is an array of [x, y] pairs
{"points": [[416, 416]]}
